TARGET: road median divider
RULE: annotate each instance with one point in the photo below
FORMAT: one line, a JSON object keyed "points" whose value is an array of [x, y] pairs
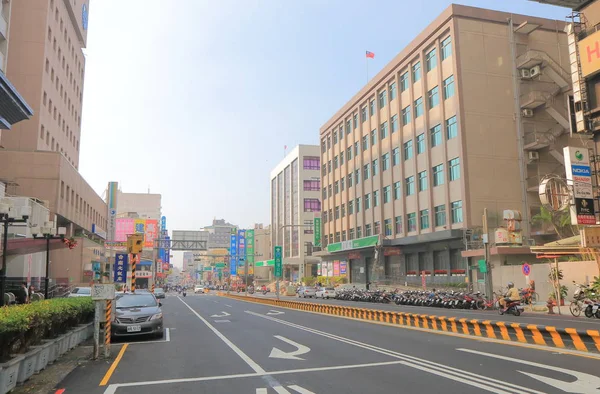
{"points": [[560, 338]]}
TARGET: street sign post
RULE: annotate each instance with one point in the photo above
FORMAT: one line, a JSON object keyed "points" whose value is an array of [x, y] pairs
{"points": [[278, 266], [102, 294], [526, 269]]}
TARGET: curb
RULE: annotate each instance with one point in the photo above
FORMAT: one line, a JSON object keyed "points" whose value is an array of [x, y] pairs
{"points": [[562, 338]]}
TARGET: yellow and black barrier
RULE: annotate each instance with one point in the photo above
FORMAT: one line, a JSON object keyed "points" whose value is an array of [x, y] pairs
{"points": [[107, 324], [565, 338]]}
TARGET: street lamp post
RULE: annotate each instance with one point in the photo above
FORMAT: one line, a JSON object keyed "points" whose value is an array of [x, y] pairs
{"points": [[9, 215], [47, 232]]}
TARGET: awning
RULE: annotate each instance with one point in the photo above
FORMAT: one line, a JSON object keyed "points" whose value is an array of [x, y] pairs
{"points": [[13, 107]]}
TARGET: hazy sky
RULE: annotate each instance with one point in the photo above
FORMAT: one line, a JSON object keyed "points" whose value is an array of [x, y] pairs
{"points": [[197, 98]]}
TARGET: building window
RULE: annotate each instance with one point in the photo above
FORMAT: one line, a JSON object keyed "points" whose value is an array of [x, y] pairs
{"points": [[433, 97], [457, 213], [42, 132], [376, 198], [336, 187], [341, 132], [451, 128], [329, 166], [406, 115], [385, 162], [375, 167], [367, 201], [431, 60], [436, 135], [356, 148], [395, 156], [337, 236], [411, 222], [367, 230], [324, 196], [410, 185], [408, 150], [422, 181], [404, 81], [342, 181], [312, 185], [343, 235], [440, 215], [448, 87], [424, 218], [312, 205], [376, 228], [438, 175], [398, 224], [387, 194], [418, 107], [337, 212], [363, 114], [323, 170], [357, 176], [328, 142], [382, 99], [357, 204], [349, 180], [312, 163], [366, 171], [330, 190], [372, 107], [359, 232], [416, 72], [365, 142], [394, 123], [355, 120], [397, 190], [454, 169], [373, 137], [351, 234], [392, 91], [335, 163], [387, 226], [348, 126], [349, 154], [334, 137], [384, 130], [341, 158], [446, 48], [350, 207], [420, 143]]}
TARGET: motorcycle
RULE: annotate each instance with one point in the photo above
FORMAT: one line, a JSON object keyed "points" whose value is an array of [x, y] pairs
{"points": [[512, 307]]}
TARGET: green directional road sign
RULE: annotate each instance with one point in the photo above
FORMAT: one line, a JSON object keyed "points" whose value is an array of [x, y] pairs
{"points": [[220, 265], [278, 262], [317, 232]]}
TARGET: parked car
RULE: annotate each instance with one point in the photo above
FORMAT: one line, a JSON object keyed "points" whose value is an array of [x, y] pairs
{"points": [[305, 291], [199, 289], [137, 314], [325, 292], [159, 292], [81, 292]]}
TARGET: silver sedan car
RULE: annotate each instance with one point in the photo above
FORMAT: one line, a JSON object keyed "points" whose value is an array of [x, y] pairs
{"points": [[137, 314], [305, 291]]}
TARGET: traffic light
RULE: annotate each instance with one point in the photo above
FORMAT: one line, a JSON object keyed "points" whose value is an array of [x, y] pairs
{"points": [[135, 243]]}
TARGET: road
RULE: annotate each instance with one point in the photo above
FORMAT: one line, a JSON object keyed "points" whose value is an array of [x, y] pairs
{"points": [[559, 321], [221, 345]]}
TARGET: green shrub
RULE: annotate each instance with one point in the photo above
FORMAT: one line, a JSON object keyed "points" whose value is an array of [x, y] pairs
{"points": [[22, 326]]}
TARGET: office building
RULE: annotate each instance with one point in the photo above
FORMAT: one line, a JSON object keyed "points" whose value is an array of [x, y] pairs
{"points": [[219, 233], [263, 262], [295, 202], [470, 115], [140, 205]]}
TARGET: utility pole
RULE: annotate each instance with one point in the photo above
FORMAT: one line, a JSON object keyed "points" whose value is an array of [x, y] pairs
{"points": [[488, 275]]}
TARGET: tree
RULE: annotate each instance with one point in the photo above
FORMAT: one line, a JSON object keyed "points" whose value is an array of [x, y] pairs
{"points": [[559, 220]]}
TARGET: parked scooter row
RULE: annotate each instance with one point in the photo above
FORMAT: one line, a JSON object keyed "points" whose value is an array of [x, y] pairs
{"points": [[585, 299]]}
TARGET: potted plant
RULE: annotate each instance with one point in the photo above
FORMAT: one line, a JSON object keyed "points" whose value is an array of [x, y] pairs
{"points": [[564, 292]]}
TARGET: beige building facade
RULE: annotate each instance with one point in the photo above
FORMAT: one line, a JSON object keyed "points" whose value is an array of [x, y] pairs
{"points": [[470, 115]]}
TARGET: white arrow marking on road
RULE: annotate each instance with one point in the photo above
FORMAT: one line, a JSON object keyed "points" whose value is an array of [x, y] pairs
{"points": [[276, 353], [272, 312], [282, 390], [223, 315], [299, 389], [222, 321], [584, 384]]}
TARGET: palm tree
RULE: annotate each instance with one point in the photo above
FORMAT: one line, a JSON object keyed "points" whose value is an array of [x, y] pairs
{"points": [[560, 221]]}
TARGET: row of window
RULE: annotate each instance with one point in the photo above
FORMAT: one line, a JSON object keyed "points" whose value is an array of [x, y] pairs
{"points": [[55, 146], [52, 110], [63, 95], [372, 169], [67, 40], [435, 139], [413, 222], [448, 91], [78, 203]]}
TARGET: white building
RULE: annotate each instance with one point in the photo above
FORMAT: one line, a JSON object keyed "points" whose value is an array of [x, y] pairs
{"points": [[142, 205], [295, 202]]}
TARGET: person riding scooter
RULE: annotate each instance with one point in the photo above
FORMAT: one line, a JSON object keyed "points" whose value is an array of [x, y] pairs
{"points": [[511, 295]]}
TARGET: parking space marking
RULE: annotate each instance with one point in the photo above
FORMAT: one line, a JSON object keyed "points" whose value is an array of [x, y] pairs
{"points": [[113, 366], [167, 339], [228, 306]]}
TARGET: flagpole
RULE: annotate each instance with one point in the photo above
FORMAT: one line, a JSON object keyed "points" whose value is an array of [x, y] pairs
{"points": [[367, 60]]}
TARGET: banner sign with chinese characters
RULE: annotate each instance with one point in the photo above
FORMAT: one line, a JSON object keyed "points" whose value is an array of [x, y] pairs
{"points": [[121, 267]]}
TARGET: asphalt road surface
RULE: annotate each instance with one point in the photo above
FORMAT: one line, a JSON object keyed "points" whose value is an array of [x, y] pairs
{"points": [[542, 319], [221, 345]]}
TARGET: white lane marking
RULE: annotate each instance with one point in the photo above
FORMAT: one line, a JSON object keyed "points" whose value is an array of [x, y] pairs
{"points": [[257, 368], [456, 378], [405, 357], [300, 349], [167, 335], [167, 339], [584, 383], [228, 306], [223, 314], [113, 387], [216, 302], [261, 391], [281, 390], [273, 312], [300, 390], [223, 321]]}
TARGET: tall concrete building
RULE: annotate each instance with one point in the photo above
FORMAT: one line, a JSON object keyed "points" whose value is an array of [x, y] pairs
{"points": [[295, 202], [219, 233], [468, 116], [142, 205]]}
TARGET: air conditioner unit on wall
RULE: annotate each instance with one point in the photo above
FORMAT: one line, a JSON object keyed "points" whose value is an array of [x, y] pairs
{"points": [[527, 113], [525, 73], [534, 156], [535, 71]]}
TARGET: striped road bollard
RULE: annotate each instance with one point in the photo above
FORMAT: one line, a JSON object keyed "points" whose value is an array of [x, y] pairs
{"points": [[107, 327]]}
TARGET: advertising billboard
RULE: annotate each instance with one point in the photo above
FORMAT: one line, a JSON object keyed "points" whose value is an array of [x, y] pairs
{"points": [[579, 177], [241, 247], [151, 232], [111, 202], [124, 226], [250, 247], [233, 253], [589, 54], [121, 267]]}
